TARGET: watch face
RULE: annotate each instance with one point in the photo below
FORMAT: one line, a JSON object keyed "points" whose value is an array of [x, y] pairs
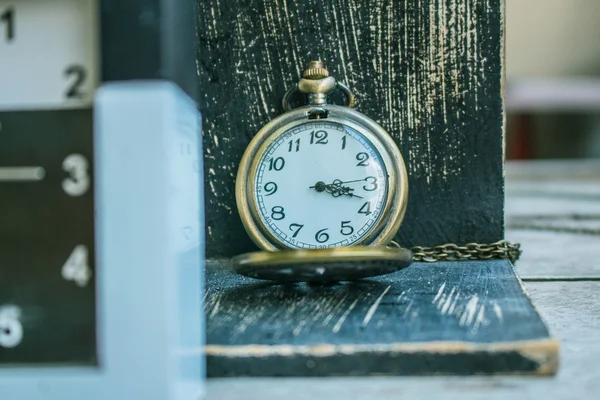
{"points": [[320, 184]]}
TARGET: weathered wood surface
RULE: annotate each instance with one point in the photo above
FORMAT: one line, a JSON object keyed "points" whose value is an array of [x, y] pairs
{"points": [[553, 210], [429, 71], [572, 312], [447, 317]]}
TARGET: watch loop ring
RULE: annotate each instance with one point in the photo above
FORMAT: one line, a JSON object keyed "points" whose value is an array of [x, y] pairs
{"points": [[339, 85]]}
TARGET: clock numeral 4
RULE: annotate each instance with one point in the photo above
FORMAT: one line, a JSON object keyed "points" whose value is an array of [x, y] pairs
{"points": [[8, 18], [346, 228], [11, 329], [79, 181], [321, 236], [365, 209], [76, 267]]}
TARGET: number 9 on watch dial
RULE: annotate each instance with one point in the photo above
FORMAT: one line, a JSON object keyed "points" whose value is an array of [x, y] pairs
{"points": [[321, 183]]}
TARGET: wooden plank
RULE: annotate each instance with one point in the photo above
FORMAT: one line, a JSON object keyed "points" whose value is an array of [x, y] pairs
{"points": [[553, 210], [429, 71], [556, 255], [571, 310], [447, 317]]}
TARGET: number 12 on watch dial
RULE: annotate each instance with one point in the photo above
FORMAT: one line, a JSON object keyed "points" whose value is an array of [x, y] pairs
{"points": [[48, 76]]}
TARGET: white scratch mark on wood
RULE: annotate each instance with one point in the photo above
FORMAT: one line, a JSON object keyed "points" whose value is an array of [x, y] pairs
{"points": [[480, 320], [332, 310], [373, 308], [439, 293], [215, 307], [468, 314], [340, 322], [445, 306], [498, 311]]}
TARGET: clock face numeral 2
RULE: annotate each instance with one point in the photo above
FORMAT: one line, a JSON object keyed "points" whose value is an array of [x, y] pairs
{"points": [[77, 72]]}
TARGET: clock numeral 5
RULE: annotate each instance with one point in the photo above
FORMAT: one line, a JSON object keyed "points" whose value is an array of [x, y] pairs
{"points": [[76, 267], [11, 329], [346, 228], [8, 17], [79, 181]]}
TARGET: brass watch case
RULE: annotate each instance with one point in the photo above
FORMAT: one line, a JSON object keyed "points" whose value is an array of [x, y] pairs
{"points": [[397, 197]]}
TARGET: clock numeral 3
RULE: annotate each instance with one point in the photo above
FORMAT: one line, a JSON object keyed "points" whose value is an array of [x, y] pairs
{"points": [[372, 184], [76, 267], [73, 91], [346, 228], [8, 17], [318, 137], [365, 209], [321, 236], [297, 227], [277, 213], [363, 159], [270, 188], [276, 164], [79, 181]]}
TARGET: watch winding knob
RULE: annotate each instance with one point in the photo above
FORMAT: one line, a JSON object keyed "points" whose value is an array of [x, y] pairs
{"points": [[315, 70]]}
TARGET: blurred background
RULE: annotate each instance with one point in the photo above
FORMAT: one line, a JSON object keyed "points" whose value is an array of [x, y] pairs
{"points": [[553, 79]]}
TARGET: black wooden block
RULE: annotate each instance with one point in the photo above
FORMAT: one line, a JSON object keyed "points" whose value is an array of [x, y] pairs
{"points": [[429, 71], [443, 318], [149, 39]]}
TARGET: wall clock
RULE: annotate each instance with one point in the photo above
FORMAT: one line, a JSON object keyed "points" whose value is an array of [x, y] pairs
{"points": [[101, 225]]}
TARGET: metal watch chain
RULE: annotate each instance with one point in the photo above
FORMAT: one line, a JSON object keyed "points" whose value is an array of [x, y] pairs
{"points": [[502, 249]]}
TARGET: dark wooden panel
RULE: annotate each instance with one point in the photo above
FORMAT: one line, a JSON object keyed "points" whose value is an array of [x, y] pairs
{"points": [[447, 317], [429, 71]]}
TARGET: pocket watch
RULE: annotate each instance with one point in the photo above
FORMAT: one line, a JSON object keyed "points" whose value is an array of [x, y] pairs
{"points": [[322, 190]]}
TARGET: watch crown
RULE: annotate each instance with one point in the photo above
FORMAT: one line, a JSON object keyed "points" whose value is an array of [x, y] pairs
{"points": [[315, 70]]}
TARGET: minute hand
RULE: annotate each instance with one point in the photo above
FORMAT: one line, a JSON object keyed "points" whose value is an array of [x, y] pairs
{"points": [[357, 180]]}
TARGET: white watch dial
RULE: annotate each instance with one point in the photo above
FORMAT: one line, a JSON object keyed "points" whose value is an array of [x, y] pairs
{"points": [[49, 54], [320, 184]]}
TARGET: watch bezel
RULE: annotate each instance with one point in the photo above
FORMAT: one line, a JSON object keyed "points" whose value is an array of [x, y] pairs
{"points": [[397, 197]]}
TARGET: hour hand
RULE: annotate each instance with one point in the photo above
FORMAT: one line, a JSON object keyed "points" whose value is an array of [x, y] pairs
{"points": [[335, 189]]}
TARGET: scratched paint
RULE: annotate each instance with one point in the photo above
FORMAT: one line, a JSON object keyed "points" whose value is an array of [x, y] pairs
{"points": [[471, 310], [429, 71]]}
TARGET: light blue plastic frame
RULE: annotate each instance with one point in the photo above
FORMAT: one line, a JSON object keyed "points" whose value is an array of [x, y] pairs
{"points": [[150, 255]]}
